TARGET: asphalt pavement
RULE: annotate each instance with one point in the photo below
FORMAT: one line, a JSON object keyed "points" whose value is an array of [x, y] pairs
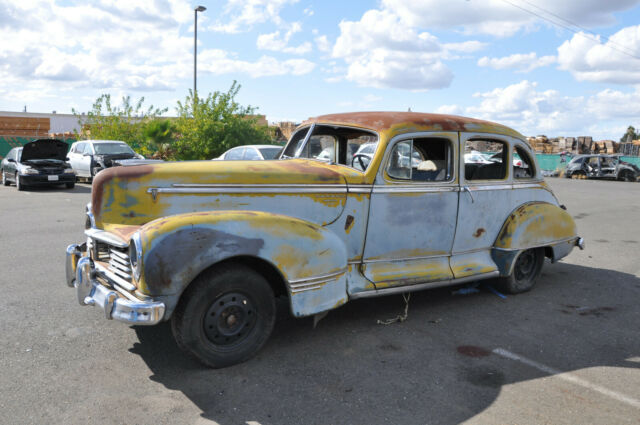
{"points": [[567, 352]]}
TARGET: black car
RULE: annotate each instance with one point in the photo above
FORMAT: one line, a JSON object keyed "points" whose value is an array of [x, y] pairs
{"points": [[601, 167], [38, 163]]}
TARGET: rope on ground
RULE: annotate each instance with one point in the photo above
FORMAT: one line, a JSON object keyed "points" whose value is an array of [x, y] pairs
{"points": [[401, 317]]}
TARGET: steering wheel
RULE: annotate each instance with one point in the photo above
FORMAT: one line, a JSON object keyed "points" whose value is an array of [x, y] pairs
{"points": [[363, 161]]}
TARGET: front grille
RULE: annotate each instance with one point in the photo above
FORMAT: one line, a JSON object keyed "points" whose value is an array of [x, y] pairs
{"points": [[51, 171], [116, 260]]}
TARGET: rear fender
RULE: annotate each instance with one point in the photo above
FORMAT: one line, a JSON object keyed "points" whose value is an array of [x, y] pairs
{"points": [[533, 225], [311, 259]]}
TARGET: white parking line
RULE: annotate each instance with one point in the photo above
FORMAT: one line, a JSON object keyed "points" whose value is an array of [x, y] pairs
{"points": [[568, 377]]}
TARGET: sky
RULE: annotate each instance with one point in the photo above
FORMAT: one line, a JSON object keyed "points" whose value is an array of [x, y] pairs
{"points": [[559, 68]]}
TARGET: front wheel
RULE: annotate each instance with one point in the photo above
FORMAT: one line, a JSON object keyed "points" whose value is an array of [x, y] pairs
{"points": [[225, 316], [70, 185], [19, 186], [526, 269]]}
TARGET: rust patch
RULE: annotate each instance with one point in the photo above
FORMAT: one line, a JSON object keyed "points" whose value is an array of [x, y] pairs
{"points": [[348, 223], [479, 232], [473, 351], [108, 175]]}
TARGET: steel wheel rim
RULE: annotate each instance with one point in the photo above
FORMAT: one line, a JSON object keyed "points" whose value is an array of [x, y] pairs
{"points": [[525, 265], [230, 319]]}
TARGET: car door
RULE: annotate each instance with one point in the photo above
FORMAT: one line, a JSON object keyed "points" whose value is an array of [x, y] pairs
{"points": [[413, 212], [75, 156], [485, 203], [84, 163], [10, 166]]}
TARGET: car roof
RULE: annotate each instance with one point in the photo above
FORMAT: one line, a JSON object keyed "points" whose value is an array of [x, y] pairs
{"points": [[259, 146], [100, 141], [412, 121]]}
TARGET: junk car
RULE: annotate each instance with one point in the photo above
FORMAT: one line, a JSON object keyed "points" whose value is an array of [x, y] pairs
{"points": [[601, 167], [40, 162], [89, 157], [209, 245]]}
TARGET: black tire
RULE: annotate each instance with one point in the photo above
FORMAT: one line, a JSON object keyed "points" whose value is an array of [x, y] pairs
{"points": [[5, 181], [627, 176], [526, 270], [70, 185], [19, 186], [225, 316]]}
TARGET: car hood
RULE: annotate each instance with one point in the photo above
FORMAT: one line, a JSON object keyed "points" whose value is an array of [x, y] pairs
{"points": [[305, 189], [44, 149]]}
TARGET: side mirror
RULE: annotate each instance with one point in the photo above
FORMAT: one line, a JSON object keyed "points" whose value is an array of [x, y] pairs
{"points": [[11, 160]]}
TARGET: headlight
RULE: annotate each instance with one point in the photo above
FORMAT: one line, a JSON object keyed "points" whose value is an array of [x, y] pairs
{"points": [[135, 255], [29, 170], [68, 170]]}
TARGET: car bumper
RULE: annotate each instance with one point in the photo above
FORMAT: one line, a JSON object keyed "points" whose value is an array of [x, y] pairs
{"points": [[81, 274], [43, 179]]}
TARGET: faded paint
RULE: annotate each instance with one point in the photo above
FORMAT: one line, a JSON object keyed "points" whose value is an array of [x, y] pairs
{"points": [[535, 224], [472, 263]]}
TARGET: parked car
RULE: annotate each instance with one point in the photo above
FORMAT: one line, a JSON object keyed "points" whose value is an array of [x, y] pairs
{"points": [[476, 158], [601, 167], [251, 153], [89, 157], [209, 245], [38, 163]]}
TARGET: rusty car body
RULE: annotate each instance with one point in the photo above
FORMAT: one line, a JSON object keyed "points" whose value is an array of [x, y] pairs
{"points": [[209, 244], [601, 166]]}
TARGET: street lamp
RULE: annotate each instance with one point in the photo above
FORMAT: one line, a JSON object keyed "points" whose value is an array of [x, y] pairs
{"points": [[195, 47]]}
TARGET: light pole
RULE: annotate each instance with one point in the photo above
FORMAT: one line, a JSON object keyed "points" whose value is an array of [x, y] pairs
{"points": [[195, 48]]}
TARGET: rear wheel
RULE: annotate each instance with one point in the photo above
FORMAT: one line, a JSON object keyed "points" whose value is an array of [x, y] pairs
{"points": [[627, 176], [225, 316], [5, 182], [526, 269]]}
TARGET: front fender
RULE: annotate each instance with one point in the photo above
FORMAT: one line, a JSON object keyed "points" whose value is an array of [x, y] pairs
{"points": [[311, 259]]}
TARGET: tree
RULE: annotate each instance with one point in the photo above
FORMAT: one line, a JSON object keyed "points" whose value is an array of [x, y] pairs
{"points": [[159, 135], [207, 127], [631, 134], [125, 122]]}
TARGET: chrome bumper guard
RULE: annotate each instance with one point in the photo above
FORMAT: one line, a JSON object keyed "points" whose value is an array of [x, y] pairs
{"points": [[81, 274]]}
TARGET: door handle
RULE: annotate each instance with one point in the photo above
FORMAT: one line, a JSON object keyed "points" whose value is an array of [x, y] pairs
{"points": [[466, 189]]}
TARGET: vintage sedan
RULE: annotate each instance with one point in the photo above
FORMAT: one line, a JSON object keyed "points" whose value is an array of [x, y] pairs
{"points": [[209, 245], [40, 162]]}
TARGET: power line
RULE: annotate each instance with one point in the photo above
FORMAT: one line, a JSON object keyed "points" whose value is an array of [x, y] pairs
{"points": [[594, 36]]}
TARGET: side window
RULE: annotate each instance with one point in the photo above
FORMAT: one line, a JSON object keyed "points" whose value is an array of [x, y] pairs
{"points": [[522, 164], [11, 154], [234, 154], [88, 149], [399, 165], [431, 160], [80, 148], [250, 154], [485, 159]]}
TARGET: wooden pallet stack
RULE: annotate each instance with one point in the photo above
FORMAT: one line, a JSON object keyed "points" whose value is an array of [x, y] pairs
{"points": [[24, 127]]}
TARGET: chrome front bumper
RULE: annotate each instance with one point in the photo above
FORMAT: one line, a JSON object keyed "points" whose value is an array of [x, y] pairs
{"points": [[81, 274]]}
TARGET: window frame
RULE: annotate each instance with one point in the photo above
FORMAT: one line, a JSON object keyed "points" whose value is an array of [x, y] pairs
{"points": [[488, 137], [453, 143]]}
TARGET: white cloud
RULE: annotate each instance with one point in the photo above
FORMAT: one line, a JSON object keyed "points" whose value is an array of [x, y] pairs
{"points": [[500, 18], [277, 43], [380, 52], [531, 111], [242, 15], [221, 62], [615, 61], [465, 47], [520, 62], [450, 110], [323, 43]]}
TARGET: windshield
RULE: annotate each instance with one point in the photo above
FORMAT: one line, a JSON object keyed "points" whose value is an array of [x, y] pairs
{"points": [[270, 153], [112, 149], [333, 144]]}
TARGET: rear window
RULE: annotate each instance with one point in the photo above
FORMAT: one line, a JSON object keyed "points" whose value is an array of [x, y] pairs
{"points": [[270, 153]]}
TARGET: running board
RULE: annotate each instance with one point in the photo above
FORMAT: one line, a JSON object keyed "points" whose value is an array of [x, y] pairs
{"points": [[422, 286]]}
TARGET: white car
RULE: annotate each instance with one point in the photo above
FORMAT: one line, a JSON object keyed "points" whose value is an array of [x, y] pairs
{"points": [[475, 157], [88, 157], [250, 153]]}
